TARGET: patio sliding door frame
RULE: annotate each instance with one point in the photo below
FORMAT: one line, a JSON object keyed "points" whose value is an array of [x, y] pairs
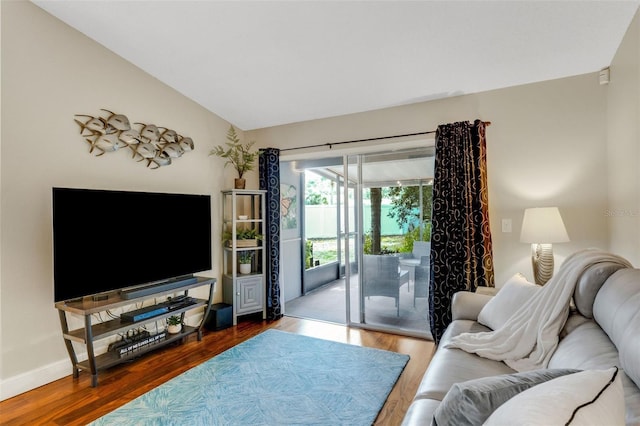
{"points": [[359, 236], [353, 224], [359, 246], [347, 222]]}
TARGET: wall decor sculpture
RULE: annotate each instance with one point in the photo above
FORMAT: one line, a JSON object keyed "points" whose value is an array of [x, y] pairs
{"points": [[157, 145]]}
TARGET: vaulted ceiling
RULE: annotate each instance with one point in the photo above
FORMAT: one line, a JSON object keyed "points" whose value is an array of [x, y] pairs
{"points": [[265, 63]]}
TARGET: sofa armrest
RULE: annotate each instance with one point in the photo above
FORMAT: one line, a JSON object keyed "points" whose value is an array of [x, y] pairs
{"points": [[466, 305]]}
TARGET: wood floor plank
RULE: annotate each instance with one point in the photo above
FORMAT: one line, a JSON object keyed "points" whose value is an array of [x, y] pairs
{"points": [[75, 402]]}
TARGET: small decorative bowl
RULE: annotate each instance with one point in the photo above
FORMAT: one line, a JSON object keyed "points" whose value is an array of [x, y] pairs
{"points": [[243, 217]]}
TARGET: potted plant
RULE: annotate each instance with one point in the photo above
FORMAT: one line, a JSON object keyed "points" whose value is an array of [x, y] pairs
{"points": [[248, 237], [174, 324], [244, 259], [236, 154]]}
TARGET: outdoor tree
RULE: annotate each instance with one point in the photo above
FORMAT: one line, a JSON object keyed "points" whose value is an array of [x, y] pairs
{"points": [[318, 189], [376, 222], [405, 205]]}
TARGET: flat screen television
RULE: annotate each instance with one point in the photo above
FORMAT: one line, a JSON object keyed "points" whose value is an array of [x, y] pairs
{"points": [[110, 240]]}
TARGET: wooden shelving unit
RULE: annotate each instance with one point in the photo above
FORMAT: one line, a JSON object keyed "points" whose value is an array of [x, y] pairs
{"points": [[91, 332], [243, 210]]}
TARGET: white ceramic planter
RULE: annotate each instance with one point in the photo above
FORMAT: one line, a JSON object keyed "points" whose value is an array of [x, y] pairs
{"points": [[173, 329], [245, 268]]}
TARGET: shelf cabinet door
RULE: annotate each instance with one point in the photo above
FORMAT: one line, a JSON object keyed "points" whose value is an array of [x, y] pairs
{"points": [[250, 294]]}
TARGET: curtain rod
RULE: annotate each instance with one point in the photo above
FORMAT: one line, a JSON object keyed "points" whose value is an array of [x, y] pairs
{"points": [[330, 144]]}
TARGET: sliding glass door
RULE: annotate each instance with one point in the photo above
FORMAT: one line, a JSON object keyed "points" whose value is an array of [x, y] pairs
{"points": [[394, 199], [319, 286], [366, 240]]}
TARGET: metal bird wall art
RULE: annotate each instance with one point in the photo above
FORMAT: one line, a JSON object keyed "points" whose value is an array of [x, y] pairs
{"points": [[158, 146]]}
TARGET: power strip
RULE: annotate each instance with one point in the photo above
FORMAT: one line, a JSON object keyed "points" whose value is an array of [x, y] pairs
{"points": [[141, 344], [132, 336]]}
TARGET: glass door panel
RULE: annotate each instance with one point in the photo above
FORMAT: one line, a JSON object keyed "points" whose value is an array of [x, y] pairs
{"points": [[396, 212], [374, 210]]}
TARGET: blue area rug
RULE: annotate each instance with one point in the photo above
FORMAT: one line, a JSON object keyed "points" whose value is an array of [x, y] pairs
{"points": [[275, 378]]}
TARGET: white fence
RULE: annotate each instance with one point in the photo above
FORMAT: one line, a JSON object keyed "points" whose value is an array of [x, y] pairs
{"points": [[321, 221]]}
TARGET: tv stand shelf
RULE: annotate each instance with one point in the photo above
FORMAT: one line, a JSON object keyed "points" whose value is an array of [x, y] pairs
{"points": [[110, 358], [115, 326], [91, 332]]}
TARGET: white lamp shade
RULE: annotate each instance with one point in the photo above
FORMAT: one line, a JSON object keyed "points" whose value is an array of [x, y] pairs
{"points": [[543, 225]]}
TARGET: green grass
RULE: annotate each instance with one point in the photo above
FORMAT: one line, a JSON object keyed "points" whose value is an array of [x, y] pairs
{"points": [[325, 249]]}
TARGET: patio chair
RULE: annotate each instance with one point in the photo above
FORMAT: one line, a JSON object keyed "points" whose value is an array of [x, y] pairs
{"points": [[409, 261], [382, 277], [420, 248]]}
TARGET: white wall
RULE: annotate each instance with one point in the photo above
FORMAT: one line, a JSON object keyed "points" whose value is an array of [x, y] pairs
{"points": [[570, 143], [49, 73], [546, 147], [623, 125]]}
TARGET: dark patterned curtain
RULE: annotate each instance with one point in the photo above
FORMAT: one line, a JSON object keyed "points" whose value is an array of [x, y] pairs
{"points": [[461, 254], [269, 171]]}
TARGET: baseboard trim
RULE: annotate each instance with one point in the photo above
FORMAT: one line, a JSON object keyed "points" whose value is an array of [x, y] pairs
{"points": [[57, 370], [35, 378]]}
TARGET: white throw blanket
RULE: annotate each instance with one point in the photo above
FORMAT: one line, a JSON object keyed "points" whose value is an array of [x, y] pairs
{"points": [[529, 338]]}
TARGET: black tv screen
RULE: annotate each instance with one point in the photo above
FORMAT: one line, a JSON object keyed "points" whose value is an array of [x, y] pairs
{"points": [[109, 240]]}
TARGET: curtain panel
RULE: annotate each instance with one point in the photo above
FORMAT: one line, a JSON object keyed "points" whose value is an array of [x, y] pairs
{"points": [[461, 250], [269, 171]]}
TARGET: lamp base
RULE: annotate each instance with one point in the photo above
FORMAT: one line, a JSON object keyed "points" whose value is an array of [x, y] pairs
{"points": [[542, 262]]}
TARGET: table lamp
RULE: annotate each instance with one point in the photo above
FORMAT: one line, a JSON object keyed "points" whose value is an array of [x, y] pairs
{"points": [[542, 226]]}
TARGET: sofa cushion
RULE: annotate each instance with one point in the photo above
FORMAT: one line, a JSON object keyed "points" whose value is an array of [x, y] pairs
{"points": [[589, 284], [617, 310], [587, 347], [573, 321], [472, 402], [420, 412], [592, 397], [515, 293], [466, 305], [449, 366]]}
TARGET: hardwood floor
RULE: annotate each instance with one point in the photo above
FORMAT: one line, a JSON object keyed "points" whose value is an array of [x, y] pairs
{"points": [[75, 402]]}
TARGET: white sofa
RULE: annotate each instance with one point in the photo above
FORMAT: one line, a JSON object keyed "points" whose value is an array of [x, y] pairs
{"points": [[603, 330]]}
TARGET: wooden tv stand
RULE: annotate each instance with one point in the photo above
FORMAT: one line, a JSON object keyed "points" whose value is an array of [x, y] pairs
{"points": [[92, 332]]}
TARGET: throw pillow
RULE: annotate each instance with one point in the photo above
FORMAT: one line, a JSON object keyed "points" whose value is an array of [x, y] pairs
{"points": [[516, 292], [591, 397], [473, 401]]}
